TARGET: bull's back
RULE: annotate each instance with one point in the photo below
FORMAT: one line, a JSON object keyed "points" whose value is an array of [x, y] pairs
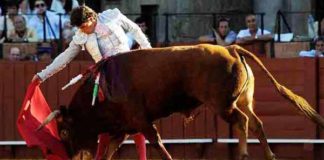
{"points": [[168, 76]]}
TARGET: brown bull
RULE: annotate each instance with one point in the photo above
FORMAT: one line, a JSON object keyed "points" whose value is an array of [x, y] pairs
{"points": [[145, 85]]}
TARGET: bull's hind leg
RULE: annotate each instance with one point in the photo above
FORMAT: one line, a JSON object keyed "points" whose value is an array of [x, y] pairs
{"points": [[154, 138], [256, 127], [240, 124]]}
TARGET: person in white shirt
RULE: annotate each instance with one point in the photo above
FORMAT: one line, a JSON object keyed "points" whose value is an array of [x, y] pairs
{"points": [[102, 35], [252, 33], [51, 20], [317, 52]]}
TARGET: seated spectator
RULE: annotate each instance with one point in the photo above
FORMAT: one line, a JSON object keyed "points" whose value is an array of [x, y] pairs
{"points": [[12, 10], [64, 7], [14, 54], [140, 21], [21, 33], [319, 49], [252, 33], [50, 19], [222, 35]]}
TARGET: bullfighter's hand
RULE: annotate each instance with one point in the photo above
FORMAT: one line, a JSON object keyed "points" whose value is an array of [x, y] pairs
{"points": [[36, 79]]}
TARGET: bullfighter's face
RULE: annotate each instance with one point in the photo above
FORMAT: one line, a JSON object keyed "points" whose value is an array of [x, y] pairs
{"points": [[89, 26]]}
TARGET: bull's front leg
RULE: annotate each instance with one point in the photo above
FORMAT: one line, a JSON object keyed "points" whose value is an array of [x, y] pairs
{"points": [[154, 138], [115, 143]]}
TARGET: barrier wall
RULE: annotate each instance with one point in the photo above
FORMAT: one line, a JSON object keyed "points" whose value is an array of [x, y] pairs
{"points": [[302, 75]]}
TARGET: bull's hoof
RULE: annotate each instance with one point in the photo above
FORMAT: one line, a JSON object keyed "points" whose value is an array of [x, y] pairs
{"points": [[83, 155], [244, 157], [272, 157]]}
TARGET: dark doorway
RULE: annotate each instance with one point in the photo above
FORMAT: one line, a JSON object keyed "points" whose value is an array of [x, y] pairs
{"points": [[319, 11], [149, 13]]}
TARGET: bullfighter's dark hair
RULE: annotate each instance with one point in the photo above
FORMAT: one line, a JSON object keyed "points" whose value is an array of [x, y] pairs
{"points": [[81, 14]]}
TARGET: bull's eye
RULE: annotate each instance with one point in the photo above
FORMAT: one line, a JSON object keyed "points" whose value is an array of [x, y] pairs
{"points": [[64, 134]]}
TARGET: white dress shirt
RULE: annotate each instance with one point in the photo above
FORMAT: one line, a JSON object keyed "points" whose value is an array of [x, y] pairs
{"points": [[246, 33], [311, 53]]}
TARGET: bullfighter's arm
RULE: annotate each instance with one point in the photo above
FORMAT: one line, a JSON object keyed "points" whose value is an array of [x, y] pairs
{"points": [[60, 61], [134, 29]]}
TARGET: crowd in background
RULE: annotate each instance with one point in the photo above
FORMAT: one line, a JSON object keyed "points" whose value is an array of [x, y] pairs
{"points": [[41, 21], [45, 20], [35, 21], [221, 34]]}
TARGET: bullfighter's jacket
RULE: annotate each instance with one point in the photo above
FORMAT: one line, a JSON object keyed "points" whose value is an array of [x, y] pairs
{"points": [[109, 38]]}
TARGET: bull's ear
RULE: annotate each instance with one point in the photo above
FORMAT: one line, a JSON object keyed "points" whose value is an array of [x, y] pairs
{"points": [[64, 116], [63, 110]]}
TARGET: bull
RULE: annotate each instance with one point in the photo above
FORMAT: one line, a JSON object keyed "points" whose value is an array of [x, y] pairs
{"points": [[145, 85]]}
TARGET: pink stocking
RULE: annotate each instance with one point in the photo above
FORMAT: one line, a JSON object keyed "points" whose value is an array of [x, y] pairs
{"points": [[140, 145], [102, 145]]}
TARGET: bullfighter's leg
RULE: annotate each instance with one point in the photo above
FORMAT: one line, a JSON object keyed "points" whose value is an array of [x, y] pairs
{"points": [[240, 124], [115, 143], [102, 146], [154, 138], [140, 145], [104, 143], [256, 127]]}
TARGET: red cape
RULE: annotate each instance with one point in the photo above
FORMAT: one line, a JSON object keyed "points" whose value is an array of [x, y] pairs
{"points": [[33, 112]]}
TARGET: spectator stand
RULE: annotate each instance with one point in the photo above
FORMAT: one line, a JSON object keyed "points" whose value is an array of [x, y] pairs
{"points": [[56, 45], [179, 30], [199, 20]]}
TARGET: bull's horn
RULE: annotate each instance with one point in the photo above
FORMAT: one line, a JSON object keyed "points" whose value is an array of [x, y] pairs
{"points": [[48, 119]]}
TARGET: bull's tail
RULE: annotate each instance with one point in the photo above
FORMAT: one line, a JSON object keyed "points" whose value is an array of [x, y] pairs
{"points": [[300, 103]]}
